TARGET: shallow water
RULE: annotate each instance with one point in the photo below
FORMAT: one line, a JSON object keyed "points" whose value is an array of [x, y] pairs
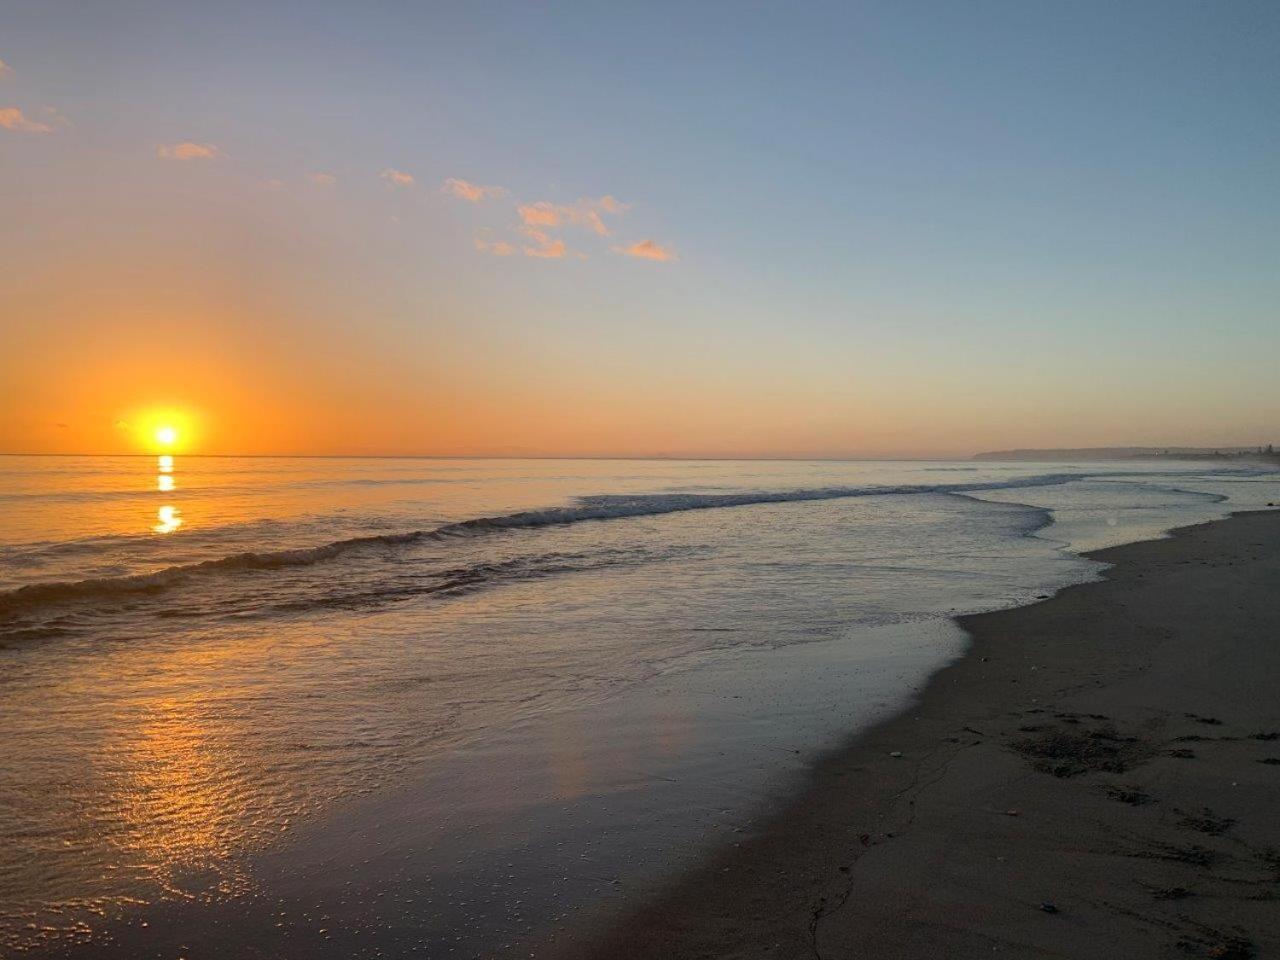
{"points": [[538, 677]]}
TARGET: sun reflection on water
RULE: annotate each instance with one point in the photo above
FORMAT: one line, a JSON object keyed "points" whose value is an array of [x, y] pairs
{"points": [[178, 802], [168, 517]]}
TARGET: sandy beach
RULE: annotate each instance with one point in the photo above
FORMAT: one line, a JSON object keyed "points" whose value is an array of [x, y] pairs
{"points": [[1095, 778]]}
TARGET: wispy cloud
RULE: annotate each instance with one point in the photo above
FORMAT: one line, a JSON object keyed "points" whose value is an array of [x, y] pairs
{"points": [[322, 179], [541, 223], [11, 118], [188, 150], [396, 178], [585, 213], [648, 250], [545, 246], [472, 192], [498, 248], [5, 68], [540, 214]]}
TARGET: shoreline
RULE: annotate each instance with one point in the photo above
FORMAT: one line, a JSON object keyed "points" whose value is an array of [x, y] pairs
{"points": [[1094, 776], [950, 848]]}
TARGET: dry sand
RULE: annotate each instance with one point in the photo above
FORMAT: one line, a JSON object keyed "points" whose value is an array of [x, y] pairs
{"points": [[1099, 777]]}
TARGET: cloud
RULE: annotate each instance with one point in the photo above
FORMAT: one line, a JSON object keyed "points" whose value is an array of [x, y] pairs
{"points": [[324, 179], [552, 250], [584, 213], [5, 68], [546, 246], [396, 178], [648, 250], [498, 248], [540, 214], [187, 150], [471, 192], [541, 221], [11, 118], [56, 117]]}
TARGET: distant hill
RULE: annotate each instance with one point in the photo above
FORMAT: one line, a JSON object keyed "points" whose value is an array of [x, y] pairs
{"points": [[1136, 453]]}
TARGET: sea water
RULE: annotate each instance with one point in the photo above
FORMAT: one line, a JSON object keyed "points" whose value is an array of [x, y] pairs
{"points": [[453, 702]]}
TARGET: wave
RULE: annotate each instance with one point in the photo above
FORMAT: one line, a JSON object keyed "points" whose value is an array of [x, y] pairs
{"points": [[583, 509]]}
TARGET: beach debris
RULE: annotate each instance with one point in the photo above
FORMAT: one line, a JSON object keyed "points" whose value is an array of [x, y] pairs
{"points": [[1273, 761], [1130, 795], [1183, 753], [1205, 822], [1212, 721], [1232, 948], [1193, 854], [1067, 753], [895, 753], [1048, 906], [1216, 944], [1012, 813]]}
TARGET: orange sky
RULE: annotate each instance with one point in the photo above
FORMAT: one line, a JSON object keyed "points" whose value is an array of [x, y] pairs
{"points": [[931, 245]]}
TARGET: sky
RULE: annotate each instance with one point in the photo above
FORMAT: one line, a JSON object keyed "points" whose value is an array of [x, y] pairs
{"points": [[679, 229]]}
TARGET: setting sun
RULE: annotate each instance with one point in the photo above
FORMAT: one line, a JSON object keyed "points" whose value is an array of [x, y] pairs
{"points": [[166, 436]]}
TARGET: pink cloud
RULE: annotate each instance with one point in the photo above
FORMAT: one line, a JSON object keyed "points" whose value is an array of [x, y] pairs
{"points": [[396, 178], [187, 150], [11, 118], [584, 213], [322, 179], [648, 250], [546, 247], [541, 220], [5, 68], [540, 214], [472, 192], [498, 248]]}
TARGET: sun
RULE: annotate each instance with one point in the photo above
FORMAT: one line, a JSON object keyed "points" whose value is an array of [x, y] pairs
{"points": [[160, 429]]}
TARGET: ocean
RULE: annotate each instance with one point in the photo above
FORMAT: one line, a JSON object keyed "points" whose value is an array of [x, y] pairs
{"points": [[464, 702]]}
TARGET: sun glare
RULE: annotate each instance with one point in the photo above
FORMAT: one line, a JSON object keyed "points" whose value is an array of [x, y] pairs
{"points": [[161, 430]]}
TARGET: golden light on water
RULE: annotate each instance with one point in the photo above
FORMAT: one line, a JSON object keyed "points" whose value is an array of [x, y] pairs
{"points": [[168, 517]]}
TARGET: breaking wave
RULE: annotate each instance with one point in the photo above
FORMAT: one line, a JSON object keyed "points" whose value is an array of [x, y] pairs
{"points": [[600, 508]]}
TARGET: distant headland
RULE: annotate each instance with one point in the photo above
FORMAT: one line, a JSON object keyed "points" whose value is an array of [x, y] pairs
{"points": [[1266, 453]]}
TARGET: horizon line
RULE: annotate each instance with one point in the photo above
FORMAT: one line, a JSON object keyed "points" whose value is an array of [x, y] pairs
{"points": [[1167, 450], [492, 456]]}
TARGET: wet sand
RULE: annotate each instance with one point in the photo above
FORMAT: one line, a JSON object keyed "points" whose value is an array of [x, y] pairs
{"points": [[1098, 777]]}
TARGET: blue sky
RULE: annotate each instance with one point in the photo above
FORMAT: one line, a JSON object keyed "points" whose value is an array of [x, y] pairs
{"points": [[890, 227]]}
